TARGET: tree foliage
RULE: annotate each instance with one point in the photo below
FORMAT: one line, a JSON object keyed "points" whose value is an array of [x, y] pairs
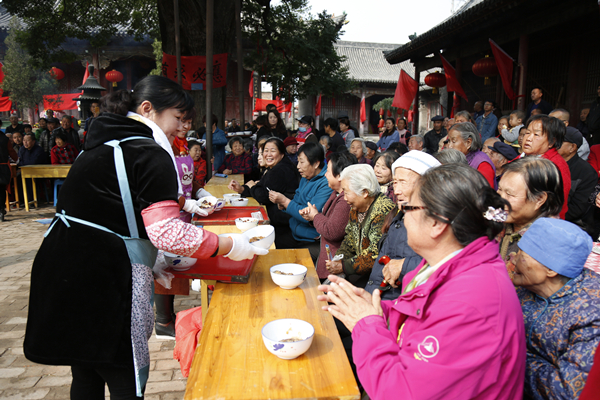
{"points": [[26, 84], [158, 54]]}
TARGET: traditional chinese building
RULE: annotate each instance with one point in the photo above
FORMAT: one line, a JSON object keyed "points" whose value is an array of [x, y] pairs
{"points": [[554, 45]]}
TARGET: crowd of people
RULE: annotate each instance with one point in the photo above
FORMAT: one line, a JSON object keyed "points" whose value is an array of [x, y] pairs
{"points": [[455, 257]]}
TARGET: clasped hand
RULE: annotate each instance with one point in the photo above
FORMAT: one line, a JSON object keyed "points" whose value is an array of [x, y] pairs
{"points": [[350, 304], [309, 213]]}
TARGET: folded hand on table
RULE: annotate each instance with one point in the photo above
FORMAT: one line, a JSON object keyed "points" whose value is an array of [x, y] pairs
{"points": [[235, 186], [309, 213], [334, 267], [350, 304], [227, 172]]}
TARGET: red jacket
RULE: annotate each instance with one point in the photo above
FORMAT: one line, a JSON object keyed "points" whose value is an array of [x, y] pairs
{"points": [[594, 158], [592, 386], [565, 172]]}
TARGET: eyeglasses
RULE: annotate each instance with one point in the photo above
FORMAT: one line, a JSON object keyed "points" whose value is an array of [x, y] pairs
{"points": [[404, 207]]}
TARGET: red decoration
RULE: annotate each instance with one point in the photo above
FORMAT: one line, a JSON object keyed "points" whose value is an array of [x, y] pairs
{"points": [[389, 113], [363, 111], [435, 80], [381, 123], [406, 90], [57, 73], [381, 111], [114, 76], [505, 64], [318, 106], [193, 70], [453, 84], [486, 67]]}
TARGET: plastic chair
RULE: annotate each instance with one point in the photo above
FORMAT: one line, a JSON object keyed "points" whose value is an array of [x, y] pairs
{"points": [[57, 183]]}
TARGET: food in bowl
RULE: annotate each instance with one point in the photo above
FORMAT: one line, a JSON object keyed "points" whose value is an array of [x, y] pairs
{"points": [[288, 276], [256, 239], [282, 273], [244, 224], [206, 204], [239, 202], [262, 236], [288, 338]]}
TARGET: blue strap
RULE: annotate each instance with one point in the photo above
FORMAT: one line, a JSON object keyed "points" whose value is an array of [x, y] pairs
{"points": [[124, 183]]}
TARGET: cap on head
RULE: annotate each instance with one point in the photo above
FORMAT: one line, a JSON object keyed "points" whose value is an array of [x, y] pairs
{"points": [[437, 118], [573, 136], [506, 150], [416, 161]]}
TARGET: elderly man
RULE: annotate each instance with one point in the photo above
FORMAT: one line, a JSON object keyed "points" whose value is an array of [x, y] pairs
{"points": [[72, 134], [584, 149], [17, 138], [31, 153], [433, 137], [487, 145], [501, 154], [14, 126], [560, 305], [46, 141], [477, 109], [582, 124], [487, 123], [372, 149], [407, 170], [416, 143], [538, 103], [583, 181]]}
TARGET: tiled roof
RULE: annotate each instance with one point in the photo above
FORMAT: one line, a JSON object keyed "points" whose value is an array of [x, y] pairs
{"points": [[366, 62]]}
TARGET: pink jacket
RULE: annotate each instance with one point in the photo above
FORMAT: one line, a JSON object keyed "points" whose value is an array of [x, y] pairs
{"points": [[463, 334]]}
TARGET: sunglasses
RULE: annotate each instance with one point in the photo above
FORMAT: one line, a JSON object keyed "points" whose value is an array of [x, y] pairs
{"points": [[404, 207]]}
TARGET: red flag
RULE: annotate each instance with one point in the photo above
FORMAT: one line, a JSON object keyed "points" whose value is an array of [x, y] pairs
{"points": [[318, 106], [261, 105], [5, 104], [251, 87], [505, 67], [193, 70], [61, 102], [363, 111], [406, 90], [86, 74], [451, 81]]}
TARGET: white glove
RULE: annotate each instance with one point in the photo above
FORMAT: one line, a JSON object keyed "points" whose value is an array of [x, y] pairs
{"points": [[242, 249], [191, 207], [202, 193]]}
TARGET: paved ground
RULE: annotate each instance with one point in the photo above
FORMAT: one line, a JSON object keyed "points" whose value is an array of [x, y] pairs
{"points": [[20, 238]]}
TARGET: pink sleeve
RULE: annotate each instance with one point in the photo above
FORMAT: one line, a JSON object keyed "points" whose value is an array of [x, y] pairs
{"points": [[167, 232]]}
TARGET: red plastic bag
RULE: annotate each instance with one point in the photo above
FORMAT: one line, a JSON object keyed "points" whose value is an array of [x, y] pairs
{"points": [[187, 332]]}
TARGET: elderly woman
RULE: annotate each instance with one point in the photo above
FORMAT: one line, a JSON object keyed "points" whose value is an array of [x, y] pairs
{"points": [[313, 189], [359, 149], [543, 137], [407, 171], [389, 135], [456, 332], [238, 162], [463, 116], [331, 222], [451, 156], [281, 176], [560, 305], [465, 138], [363, 232], [63, 152], [533, 188], [382, 166]]}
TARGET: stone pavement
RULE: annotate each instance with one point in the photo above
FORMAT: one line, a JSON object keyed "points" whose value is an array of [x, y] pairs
{"points": [[20, 238]]}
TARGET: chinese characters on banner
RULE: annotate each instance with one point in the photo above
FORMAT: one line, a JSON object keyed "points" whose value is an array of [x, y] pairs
{"points": [[193, 70]]}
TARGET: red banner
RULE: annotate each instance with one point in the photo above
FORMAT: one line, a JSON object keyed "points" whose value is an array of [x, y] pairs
{"points": [[5, 104], [406, 90], [193, 70], [61, 102], [261, 105], [363, 111], [504, 62], [318, 106], [251, 87], [452, 84]]}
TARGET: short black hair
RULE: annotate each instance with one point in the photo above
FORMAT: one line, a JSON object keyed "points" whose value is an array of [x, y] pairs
{"points": [[235, 139], [331, 123], [398, 147], [45, 119], [215, 120], [345, 121], [277, 142], [60, 135], [261, 120], [314, 153], [194, 143], [67, 117], [341, 160], [27, 126], [554, 129]]}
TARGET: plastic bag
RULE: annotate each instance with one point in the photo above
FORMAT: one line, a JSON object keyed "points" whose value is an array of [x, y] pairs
{"points": [[163, 277]]}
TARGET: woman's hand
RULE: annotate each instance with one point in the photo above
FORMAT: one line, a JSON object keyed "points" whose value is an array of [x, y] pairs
{"points": [[309, 213], [350, 304], [235, 186], [598, 200], [392, 270], [227, 172], [279, 199], [334, 267]]}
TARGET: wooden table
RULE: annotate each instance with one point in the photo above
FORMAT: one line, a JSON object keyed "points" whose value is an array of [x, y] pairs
{"points": [[41, 171], [231, 361], [218, 187], [13, 173]]}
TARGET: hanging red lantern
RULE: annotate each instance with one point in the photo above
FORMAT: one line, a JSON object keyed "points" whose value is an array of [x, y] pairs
{"points": [[435, 80], [381, 112], [57, 73], [114, 76], [389, 113], [485, 68], [381, 123]]}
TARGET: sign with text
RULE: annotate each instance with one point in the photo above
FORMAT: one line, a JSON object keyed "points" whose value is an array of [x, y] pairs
{"points": [[193, 70]]}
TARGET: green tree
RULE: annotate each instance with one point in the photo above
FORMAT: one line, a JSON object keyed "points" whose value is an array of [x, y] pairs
{"points": [[25, 83]]}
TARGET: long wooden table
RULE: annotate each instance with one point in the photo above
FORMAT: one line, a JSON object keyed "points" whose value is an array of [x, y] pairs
{"points": [[218, 187], [41, 171], [231, 361]]}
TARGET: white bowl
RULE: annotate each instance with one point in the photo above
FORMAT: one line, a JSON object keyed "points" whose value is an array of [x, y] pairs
{"points": [[230, 196], [285, 281], [281, 329], [266, 231], [241, 202], [207, 203], [220, 204], [244, 224], [179, 263]]}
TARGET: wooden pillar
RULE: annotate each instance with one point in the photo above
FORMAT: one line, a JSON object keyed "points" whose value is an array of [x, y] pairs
{"points": [[177, 42], [578, 62], [415, 130], [210, 14], [128, 71], [456, 103], [240, 61], [522, 61]]}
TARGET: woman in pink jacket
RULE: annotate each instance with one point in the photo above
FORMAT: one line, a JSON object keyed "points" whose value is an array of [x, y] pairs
{"points": [[456, 332]]}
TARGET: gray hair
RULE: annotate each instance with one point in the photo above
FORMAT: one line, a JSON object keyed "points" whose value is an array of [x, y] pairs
{"points": [[468, 130], [362, 142], [418, 138], [465, 114], [451, 156], [325, 138], [361, 177]]}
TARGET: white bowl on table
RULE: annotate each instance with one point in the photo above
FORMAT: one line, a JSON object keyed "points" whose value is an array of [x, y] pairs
{"points": [[179, 263], [207, 203], [267, 232], [230, 196], [276, 335], [246, 223], [288, 276], [241, 202]]}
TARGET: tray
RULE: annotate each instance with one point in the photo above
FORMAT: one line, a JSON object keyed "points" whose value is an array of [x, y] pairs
{"points": [[218, 269], [227, 216]]}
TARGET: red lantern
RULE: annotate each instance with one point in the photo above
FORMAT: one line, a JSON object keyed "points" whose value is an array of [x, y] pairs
{"points": [[485, 68], [381, 112], [114, 76], [389, 113], [381, 123], [57, 73], [435, 80]]}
